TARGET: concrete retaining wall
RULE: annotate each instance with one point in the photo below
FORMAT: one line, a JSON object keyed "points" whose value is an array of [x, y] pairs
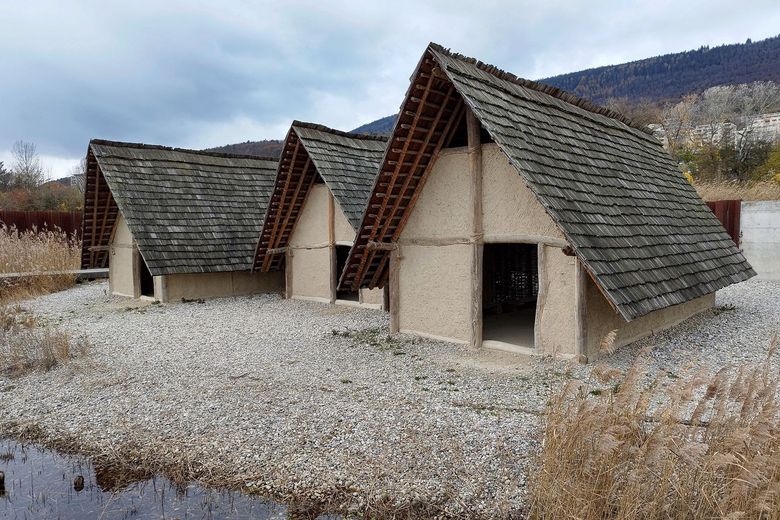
{"points": [[760, 225]]}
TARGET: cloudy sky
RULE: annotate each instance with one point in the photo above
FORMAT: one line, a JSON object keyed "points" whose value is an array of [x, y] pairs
{"points": [[202, 73]]}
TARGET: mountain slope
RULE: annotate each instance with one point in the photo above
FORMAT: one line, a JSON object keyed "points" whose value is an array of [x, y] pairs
{"points": [[267, 148], [379, 127], [673, 75], [655, 79]]}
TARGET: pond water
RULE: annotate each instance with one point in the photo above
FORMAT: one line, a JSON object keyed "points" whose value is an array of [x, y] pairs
{"points": [[42, 484]]}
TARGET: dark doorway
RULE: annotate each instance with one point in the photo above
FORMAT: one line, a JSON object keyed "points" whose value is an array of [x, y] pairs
{"points": [[342, 255], [147, 281], [510, 286]]}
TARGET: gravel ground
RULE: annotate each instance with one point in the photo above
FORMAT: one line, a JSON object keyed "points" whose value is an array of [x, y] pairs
{"points": [[261, 393]]}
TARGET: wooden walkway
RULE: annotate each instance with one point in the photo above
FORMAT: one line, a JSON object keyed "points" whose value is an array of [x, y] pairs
{"points": [[81, 274]]}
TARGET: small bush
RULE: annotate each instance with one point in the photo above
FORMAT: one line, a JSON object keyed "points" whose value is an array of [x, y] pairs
{"points": [[707, 446], [27, 345], [36, 252]]}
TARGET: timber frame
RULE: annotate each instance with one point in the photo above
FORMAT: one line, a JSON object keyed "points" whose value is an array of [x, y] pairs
{"points": [[295, 177], [344, 161], [636, 227], [431, 112], [100, 213]]}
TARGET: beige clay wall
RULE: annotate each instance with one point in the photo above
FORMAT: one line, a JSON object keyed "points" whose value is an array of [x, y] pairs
{"points": [[121, 273], [509, 207], [555, 310], [434, 286], [174, 287], [311, 263], [435, 280], [342, 229], [601, 319]]}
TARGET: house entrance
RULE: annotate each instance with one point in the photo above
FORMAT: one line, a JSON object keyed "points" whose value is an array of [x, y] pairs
{"points": [[510, 286], [342, 254], [145, 276]]}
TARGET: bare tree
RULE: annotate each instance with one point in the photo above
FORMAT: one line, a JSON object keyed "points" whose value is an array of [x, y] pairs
{"points": [[27, 169], [714, 110], [79, 175], [676, 121], [751, 101]]}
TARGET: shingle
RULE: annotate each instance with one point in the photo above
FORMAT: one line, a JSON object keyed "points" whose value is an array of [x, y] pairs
{"points": [[639, 228], [637, 225], [348, 165], [189, 211]]}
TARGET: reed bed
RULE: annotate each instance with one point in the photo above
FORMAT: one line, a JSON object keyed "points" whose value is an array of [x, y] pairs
{"points": [[27, 344], [36, 251], [729, 190], [705, 446]]}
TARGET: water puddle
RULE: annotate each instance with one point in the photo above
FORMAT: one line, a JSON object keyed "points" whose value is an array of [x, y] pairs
{"points": [[42, 484]]}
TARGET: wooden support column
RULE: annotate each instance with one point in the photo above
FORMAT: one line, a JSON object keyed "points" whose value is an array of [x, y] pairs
{"points": [[332, 245], [394, 286], [288, 273], [580, 313], [135, 264], [475, 170]]}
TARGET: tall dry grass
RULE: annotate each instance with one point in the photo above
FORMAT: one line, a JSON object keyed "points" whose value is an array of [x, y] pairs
{"points": [[36, 252], [729, 190], [27, 344], [707, 446]]}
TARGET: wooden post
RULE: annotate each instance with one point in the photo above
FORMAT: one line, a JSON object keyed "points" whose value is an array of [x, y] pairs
{"points": [[580, 313], [475, 170], [393, 283], [332, 246], [136, 266], [288, 273]]}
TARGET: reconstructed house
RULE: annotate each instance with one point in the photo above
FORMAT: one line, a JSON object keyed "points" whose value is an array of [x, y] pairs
{"points": [[172, 223], [323, 183], [513, 215]]}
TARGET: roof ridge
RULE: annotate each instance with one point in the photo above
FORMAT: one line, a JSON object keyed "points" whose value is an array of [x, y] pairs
{"points": [[342, 133], [208, 153], [542, 87]]}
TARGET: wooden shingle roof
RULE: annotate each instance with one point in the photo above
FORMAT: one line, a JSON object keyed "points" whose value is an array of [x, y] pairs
{"points": [[639, 228], [348, 165], [189, 211]]}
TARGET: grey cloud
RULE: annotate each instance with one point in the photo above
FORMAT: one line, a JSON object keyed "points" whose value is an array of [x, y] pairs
{"points": [[184, 72]]}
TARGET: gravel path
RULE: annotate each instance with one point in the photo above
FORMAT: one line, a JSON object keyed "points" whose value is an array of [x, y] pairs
{"points": [[261, 392]]}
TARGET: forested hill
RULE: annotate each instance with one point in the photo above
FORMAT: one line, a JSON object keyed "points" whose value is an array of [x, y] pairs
{"points": [[379, 127], [662, 78], [673, 75], [267, 148]]}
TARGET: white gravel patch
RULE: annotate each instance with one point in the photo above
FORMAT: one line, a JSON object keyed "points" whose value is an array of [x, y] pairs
{"points": [[259, 388]]}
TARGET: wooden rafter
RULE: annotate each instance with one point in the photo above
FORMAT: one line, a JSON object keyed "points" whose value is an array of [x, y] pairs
{"points": [[293, 183], [380, 270], [428, 117]]}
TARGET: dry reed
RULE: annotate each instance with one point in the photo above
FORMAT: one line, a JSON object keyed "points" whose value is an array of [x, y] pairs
{"points": [[729, 190], [27, 345], [707, 446], [36, 251]]}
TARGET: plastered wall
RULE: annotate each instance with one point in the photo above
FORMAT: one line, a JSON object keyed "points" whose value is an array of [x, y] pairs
{"points": [[509, 207], [121, 275], [601, 319], [174, 287], [434, 286], [555, 314], [435, 280], [311, 253]]}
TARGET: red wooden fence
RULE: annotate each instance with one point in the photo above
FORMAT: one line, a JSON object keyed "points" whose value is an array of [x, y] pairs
{"points": [[728, 212], [69, 221]]}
